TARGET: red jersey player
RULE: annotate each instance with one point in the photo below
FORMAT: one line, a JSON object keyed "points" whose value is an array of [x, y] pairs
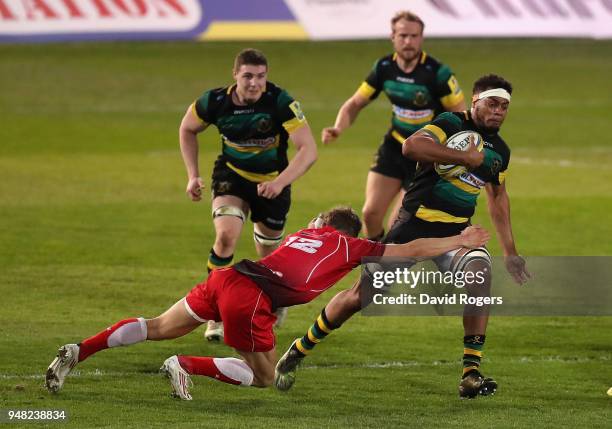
{"points": [[245, 296]]}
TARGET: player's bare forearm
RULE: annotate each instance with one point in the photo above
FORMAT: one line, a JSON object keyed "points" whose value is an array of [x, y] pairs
{"points": [[189, 151], [188, 140], [423, 248], [498, 204], [349, 111], [305, 156], [423, 148], [347, 115]]}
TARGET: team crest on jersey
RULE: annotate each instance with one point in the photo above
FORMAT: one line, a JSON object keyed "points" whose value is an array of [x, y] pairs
{"points": [[297, 110], [264, 125], [223, 187], [496, 167], [420, 99]]}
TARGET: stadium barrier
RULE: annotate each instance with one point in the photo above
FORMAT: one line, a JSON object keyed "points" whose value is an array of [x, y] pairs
{"points": [[68, 20]]}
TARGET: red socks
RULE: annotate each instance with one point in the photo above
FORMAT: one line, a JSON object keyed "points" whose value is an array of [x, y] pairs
{"points": [[123, 333], [228, 370]]}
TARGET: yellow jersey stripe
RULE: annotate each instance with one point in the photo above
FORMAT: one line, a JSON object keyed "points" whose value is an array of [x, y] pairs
{"points": [[253, 177], [502, 176], [463, 186], [366, 90], [294, 124], [432, 215], [397, 136], [452, 99], [423, 57], [436, 132]]}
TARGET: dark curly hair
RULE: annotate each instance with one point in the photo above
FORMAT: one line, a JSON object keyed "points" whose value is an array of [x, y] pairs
{"points": [[491, 81]]}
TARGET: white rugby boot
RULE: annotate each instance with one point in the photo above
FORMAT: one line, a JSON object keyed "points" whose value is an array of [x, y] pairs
{"points": [[179, 378], [66, 359]]}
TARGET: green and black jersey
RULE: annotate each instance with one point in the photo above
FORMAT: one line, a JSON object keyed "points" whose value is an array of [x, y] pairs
{"points": [[253, 137], [416, 97], [453, 199]]}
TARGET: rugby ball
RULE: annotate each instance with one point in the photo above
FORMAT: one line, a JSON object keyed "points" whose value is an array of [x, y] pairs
{"points": [[459, 141]]}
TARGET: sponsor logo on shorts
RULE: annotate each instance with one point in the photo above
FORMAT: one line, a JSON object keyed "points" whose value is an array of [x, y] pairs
{"points": [[275, 221]]}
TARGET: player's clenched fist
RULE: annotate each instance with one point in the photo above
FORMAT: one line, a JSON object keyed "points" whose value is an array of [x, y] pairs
{"points": [[194, 188], [269, 189], [329, 134], [473, 158], [474, 236]]}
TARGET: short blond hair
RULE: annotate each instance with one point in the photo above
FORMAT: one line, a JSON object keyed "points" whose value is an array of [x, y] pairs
{"points": [[408, 16]]}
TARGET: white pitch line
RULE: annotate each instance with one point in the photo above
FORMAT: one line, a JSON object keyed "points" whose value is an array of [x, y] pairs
{"points": [[374, 365]]}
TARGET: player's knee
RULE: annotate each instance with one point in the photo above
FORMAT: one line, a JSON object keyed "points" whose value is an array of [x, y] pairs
{"points": [[161, 328], [372, 214], [226, 239], [155, 329]]}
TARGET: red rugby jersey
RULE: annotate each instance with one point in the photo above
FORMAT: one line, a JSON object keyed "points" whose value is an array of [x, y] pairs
{"points": [[307, 263]]}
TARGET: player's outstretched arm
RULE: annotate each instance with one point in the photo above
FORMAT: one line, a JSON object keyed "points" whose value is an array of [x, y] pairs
{"points": [[423, 148], [190, 127], [424, 248], [498, 204], [305, 156], [345, 118]]}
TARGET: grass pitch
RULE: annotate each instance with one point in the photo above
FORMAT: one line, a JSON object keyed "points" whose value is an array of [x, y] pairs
{"points": [[95, 227]]}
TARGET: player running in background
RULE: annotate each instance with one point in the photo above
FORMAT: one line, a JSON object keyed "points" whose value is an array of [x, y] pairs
{"points": [[442, 207], [255, 119], [245, 297], [419, 88]]}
